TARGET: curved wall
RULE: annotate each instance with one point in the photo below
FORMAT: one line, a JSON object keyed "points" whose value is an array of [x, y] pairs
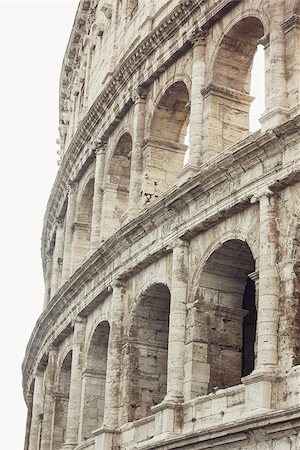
{"points": [[171, 236]]}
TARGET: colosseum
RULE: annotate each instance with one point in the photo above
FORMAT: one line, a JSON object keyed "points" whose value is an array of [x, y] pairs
{"points": [[171, 238]]}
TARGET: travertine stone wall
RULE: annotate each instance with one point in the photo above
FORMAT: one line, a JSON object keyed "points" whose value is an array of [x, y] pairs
{"points": [[171, 237]]}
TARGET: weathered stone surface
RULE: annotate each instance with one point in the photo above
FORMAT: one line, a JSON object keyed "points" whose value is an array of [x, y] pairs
{"points": [[171, 242]]}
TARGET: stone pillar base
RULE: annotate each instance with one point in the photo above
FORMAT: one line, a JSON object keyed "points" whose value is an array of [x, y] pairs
{"points": [[103, 439], [187, 172], [293, 382], [258, 390], [273, 118], [168, 418], [68, 446]]}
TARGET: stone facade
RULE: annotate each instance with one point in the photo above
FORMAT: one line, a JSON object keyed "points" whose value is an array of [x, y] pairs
{"points": [[171, 239]]}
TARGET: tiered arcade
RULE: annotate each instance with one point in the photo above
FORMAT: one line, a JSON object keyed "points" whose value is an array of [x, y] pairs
{"points": [[171, 239]]}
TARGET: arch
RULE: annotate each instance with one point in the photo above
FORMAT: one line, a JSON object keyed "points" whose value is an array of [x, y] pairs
{"points": [[118, 177], [148, 341], [61, 402], [94, 380], [164, 149], [227, 97], [241, 235], [82, 226], [226, 315], [102, 317]]}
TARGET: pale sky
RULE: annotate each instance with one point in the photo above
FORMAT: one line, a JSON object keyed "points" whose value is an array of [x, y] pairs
{"points": [[34, 35]]}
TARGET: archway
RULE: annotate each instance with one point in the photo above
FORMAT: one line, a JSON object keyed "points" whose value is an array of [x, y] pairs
{"points": [[227, 314], [93, 381], [163, 154], [116, 192], [149, 340], [227, 99], [61, 403], [82, 226]]}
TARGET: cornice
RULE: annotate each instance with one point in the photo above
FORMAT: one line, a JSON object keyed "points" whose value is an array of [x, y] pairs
{"points": [[219, 173], [119, 84], [241, 432]]}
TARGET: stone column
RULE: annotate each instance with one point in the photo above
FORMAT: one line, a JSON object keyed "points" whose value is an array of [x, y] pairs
{"points": [[292, 38], [48, 272], [37, 411], [28, 420], [196, 108], [277, 106], [113, 372], [259, 384], [176, 345], [75, 386], [57, 255], [48, 401], [70, 217], [267, 314], [97, 198], [113, 358], [134, 202]]}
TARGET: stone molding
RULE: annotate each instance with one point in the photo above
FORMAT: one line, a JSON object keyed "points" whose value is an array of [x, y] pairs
{"points": [[244, 431]]}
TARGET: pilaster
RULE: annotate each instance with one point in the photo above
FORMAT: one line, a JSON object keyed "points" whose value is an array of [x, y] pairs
{"points": [[134, 202], [112, 388], [71, 439], [57, 255], [48, 400], [176, 345], [196, 109], [276, 98], [37, 411], [97, 198], [267, 314], [48, 272], [260, 383], [70, 217], [29, 403]]}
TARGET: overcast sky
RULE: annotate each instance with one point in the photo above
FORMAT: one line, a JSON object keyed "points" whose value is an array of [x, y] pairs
{"points": [[34, 35]]}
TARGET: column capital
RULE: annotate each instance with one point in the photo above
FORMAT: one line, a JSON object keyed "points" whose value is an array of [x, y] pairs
{"points": [[139, 94], [78, 320], [49, 255], [100, 146], [52, 349], [180, 243], [59, 221], [254, 276], [265, 41], [265, 192], [198, 37], [72, 186], [99, 151], [118, 283]]}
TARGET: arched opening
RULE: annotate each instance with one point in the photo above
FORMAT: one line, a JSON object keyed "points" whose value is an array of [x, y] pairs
{"points": [[164, 150], [227, 314], [257, 89], [227, 99], [116, 193], [82, 226], [61, 402], [93, 381], [149, 341]]}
